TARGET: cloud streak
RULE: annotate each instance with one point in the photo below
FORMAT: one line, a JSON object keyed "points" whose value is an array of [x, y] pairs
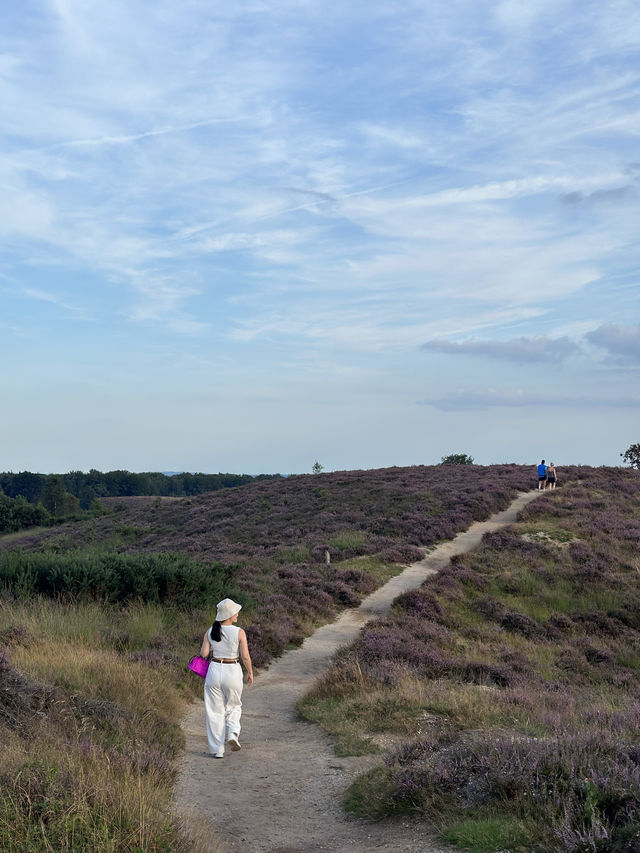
{"points": [[523, 350], [508, 398], [135, 137]]}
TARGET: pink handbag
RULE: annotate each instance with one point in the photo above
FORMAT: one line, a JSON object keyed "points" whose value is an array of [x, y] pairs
{"points": [[199, 666]]}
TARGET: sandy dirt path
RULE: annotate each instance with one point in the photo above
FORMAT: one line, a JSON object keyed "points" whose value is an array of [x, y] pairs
{"points": [[282, 792]]}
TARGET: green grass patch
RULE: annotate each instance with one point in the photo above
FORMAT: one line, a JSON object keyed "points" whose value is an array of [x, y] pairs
{"points": [[335, 715], [21, 534], [374, 566], [300, 554], [371, 795], [348, 539], [489, 834]]}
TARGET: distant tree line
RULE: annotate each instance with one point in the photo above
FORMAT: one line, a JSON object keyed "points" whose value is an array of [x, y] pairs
{"points": [[29, 499]]}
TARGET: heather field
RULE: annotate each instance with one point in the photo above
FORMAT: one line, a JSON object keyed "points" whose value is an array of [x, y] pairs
{"points": [[264, 543], [503, 696], [98, 619]]}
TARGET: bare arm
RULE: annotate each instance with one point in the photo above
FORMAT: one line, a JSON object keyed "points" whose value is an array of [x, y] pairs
{"points": [[245, 657], [205, 648]]}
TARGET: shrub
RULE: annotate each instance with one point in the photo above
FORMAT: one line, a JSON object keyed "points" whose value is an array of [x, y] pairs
{"points": [[111, 578]]}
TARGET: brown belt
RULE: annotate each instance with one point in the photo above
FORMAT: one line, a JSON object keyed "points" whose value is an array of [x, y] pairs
{"points": [[224, 660]]}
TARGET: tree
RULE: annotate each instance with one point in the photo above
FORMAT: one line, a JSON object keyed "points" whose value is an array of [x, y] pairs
{"points": [[25, 483], [457, 459], [26, 514], [70, 504], [317, 467], [58, 502], [632, 455], [53, 495], [18, 514]]}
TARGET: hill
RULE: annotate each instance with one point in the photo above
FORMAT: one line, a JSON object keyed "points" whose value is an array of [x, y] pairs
{"points": [[98, 619], [267, 543], [509, 684]]}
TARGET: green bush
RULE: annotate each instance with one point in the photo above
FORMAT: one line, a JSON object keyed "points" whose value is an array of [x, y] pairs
{"points": [[114, 578], [19, 514]]}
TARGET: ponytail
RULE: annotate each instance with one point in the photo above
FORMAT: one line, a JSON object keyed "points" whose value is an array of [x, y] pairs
{"points": [[216, 632]]}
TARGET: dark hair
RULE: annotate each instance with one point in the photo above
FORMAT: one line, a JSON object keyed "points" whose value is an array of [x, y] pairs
{"points": [[216, 632]]}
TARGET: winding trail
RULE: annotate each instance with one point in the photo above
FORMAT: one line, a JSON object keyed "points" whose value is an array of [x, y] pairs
{"points": [[282, 792]]}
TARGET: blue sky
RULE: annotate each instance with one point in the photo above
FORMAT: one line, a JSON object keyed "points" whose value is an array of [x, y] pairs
{"points": [[245, 237]]}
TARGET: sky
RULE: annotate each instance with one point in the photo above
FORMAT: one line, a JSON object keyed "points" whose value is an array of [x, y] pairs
{"points": [[251, 236]]}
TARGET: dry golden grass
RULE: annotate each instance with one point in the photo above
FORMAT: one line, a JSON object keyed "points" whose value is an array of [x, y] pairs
{"points": [[88, 744], [57, 798], [101, 674]]}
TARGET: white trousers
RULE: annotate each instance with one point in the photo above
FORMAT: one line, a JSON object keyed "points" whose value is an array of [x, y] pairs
{"points": [[222, 703]]}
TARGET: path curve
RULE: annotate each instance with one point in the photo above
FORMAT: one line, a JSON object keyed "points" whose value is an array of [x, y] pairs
{"points": [[282, 792]]}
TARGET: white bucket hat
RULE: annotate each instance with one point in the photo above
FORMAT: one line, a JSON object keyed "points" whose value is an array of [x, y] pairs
{"points": [[226, 609]]}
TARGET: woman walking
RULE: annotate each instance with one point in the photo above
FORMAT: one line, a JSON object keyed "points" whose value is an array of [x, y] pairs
{"points": [[226, 645]]}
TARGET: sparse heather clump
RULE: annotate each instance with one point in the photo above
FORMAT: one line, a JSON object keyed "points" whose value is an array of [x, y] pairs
{"points": [[519, 666], [573, 792]]}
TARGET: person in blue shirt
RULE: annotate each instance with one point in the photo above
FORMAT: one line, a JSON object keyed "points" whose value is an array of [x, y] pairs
{"points": [[542, 475]]}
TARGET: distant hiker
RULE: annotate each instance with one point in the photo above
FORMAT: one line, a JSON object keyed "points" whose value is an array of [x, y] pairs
{"points": [[542, 475], [225, 645], [552, 476]]}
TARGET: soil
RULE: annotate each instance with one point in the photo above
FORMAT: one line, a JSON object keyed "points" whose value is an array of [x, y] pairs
{"points": [[282, 792]]}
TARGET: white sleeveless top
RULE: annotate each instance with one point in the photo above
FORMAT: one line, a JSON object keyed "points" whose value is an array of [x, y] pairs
{"points": [[229, 645]]}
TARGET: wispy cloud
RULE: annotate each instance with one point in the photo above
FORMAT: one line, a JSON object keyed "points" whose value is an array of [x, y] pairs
{"points": [[50, 298], [488, 398], [133, 137]]}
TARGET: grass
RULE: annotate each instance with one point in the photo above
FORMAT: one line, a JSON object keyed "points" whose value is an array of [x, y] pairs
{"points": [[489, 834], [376, 710], [376, 568], [335, 715], [371, 795], [65, 800], [21, 534], [291, 555], [348, 539], [90, 732]]}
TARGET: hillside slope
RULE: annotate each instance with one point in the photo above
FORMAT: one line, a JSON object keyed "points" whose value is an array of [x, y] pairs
{"points": [[267, 543]]}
